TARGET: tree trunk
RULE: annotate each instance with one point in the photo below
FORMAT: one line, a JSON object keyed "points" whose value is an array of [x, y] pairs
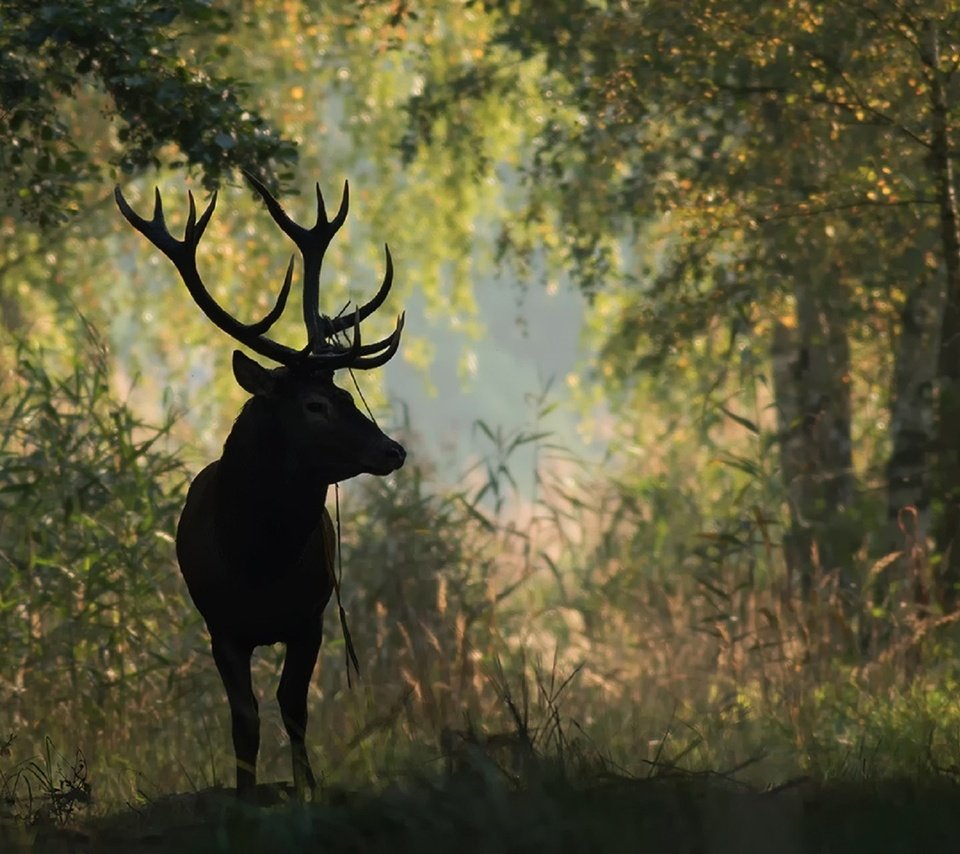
{"points": [[811, 384], [948, 364], [909, 475], [912, 422]]}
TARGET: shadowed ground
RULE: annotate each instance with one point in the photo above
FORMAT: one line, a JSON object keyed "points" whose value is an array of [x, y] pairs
{"points": [[473, 813]]}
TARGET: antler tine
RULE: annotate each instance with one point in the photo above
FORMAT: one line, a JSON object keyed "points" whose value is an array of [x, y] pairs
{"points": [[383, 343], [158, 205], [345, 357], [392, 343], [294, 231], [183, 254], [154, 229], [339, 324], [272, 316], [341, 214], [370, 355]]}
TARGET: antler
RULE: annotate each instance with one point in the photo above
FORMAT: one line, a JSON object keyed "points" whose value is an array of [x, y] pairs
{"points": [[312, 243]]}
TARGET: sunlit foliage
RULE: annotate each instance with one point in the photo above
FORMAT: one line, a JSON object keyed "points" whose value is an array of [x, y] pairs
{"points": [[751, 198]]}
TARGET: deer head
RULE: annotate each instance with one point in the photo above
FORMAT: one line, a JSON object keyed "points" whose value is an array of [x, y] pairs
{"points": [[300, 407], [314, 424]]}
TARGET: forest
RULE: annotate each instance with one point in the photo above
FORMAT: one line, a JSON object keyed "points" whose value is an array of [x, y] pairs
{"points": [[671, 561]]}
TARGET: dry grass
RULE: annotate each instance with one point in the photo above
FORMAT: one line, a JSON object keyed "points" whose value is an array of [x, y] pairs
{"points": [[594, 631]]}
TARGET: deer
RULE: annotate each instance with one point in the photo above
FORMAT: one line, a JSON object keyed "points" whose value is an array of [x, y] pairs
{"points": [[255, 543]]}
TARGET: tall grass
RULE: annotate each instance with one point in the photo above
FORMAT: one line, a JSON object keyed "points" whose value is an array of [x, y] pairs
{"points": [[614, 622]]}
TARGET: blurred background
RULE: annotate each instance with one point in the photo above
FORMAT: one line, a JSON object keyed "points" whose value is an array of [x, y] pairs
{"points": [[680, 379]]}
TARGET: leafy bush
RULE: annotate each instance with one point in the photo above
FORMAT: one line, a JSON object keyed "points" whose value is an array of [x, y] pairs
{"points": [[94, 624], [486, 624]]}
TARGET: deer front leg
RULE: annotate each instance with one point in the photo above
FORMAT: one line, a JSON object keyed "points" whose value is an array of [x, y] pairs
{"points": [[292, 696], [233, 662]]}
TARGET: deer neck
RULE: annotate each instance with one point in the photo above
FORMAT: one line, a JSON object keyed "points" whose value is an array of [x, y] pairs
{"points": [[268, 500]]}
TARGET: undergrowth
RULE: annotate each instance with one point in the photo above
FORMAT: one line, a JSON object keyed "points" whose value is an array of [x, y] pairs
{"points": [[569, 635]]}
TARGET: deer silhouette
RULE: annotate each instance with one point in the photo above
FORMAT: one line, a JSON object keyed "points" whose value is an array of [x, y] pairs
{"points": [[255, 542]]}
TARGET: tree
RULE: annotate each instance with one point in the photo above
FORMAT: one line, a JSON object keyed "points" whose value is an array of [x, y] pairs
{"points": [[779, 174], [140, 65]]}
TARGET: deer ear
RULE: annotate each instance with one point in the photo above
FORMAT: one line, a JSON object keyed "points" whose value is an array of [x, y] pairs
{"points": [[252, 376]]}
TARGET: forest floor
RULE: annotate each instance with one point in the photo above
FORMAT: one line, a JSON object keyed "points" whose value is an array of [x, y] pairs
{"points": [[701, 813]]}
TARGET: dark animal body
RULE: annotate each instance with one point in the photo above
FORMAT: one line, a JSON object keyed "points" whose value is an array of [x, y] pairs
{"points": [[255, 542]]}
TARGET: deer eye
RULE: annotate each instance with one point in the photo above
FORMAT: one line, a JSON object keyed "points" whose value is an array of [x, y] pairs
{"points": [[320, 407]]}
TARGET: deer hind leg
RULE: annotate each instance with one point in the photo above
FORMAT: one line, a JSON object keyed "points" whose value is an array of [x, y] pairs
{"points": [[298, 667], [233, 662]]}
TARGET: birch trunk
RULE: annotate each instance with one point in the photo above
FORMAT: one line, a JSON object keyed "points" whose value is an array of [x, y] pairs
{"points": [[948, 364], [812, 387], [912, 432]]}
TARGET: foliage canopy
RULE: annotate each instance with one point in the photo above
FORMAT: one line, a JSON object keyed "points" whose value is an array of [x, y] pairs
{"points": [[140, 64]]}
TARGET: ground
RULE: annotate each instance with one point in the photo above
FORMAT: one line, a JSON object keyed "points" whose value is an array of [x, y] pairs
{"points": [[688, 814]]}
